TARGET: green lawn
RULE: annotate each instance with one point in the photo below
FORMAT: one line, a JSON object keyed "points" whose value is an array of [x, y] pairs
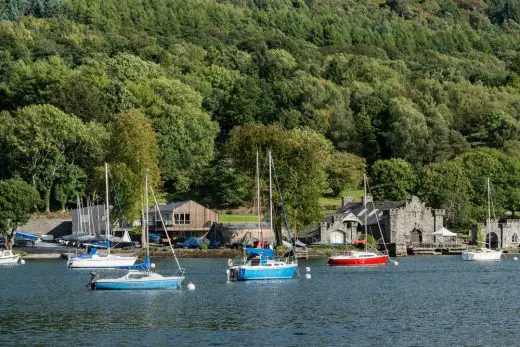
{"points": [[335, 202], [238, 218]]}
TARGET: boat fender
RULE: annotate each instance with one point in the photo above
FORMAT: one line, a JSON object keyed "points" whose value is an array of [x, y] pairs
{"points": [[191, 286], [22, 261], [93, 278], [230, 262]]}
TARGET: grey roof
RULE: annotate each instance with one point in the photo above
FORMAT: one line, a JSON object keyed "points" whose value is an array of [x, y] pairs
{"points": [[172, 206], [373, 212]]}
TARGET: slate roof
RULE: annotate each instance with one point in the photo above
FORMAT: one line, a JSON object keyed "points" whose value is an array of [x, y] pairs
{"points": [[356, 210]]}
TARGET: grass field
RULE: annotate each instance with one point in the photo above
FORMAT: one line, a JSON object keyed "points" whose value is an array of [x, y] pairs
{"points": [[238, 218]]}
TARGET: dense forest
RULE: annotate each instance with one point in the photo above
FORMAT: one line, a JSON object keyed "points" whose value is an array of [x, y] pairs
{"points": [[422, 95]]}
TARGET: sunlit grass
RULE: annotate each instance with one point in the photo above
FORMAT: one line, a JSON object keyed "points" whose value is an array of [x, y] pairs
{"points": [[238, 218]]}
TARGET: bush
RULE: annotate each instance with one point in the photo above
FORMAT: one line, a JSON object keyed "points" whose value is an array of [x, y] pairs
{"points": [[203, 247]]}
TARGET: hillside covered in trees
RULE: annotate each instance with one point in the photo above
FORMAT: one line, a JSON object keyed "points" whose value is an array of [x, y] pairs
{"points": [[422, 94]]}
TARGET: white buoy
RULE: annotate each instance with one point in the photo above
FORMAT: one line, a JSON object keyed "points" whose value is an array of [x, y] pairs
{"points": [[152, 265], [22, 261], [308, 276], [308, 269], [515, 258], [396, 263], [191, 286]]}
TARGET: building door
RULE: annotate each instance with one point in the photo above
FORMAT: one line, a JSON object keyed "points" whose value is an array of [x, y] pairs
{"points": [[337, 237], [492, 238], [416, 236]]}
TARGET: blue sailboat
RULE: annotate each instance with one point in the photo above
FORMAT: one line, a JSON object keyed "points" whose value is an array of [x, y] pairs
{"points": [[143, 275], [260, 263]]}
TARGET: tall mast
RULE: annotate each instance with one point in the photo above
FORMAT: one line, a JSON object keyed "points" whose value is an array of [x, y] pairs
{"points": [[107, 208], [259, 211], [365, 207], [270, 195], [146, 215], [489, 216]]}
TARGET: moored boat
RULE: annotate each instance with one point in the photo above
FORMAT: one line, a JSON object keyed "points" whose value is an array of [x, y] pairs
{"points": [[358, 258], [141, 276], [7, 257]]}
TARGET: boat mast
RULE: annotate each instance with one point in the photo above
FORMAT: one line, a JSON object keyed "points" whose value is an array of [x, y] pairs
{"points": [[488, 236], [365, 208], [259, 211], [146, 216], [107, 208], [270, 195]]}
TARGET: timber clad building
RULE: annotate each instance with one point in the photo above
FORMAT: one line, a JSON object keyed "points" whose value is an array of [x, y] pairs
{"points": [[183, 219]]}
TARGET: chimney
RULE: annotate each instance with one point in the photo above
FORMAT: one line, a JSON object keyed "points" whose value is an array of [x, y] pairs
{"points": [[369, 199], [346, 199]]}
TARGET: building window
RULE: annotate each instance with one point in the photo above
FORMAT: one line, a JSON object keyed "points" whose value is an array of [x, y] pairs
{"points": [[514, 239], [181, 218]]}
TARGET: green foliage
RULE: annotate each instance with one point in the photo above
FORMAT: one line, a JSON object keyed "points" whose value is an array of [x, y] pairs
{"points": [[393, 179], [344, 171], [18, 200], [300, 157], [133, 152]]}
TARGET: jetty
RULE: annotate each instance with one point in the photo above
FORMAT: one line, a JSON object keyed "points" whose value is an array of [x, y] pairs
{"points": [[436, 248]]}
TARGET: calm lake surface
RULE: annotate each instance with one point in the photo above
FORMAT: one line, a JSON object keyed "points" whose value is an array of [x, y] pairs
{"points": [[425, 301]]}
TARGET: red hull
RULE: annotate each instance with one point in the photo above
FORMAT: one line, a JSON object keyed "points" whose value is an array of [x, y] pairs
{"points": [[358, 261]]}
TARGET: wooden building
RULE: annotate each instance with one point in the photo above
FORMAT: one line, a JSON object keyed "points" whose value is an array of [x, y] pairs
{"points": [[183, 219]]}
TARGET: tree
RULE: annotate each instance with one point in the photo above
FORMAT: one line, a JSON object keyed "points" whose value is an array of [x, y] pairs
{"points": [[393, 179], [133, 151], [41, 141], [300, 158], [344, 171], [18, 200]]}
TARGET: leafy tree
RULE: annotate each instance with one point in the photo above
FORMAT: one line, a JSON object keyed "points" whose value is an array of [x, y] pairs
{"points": [[18, 200], [344, 171], [300, 157], [133, 151], [42, 141], [393, 179]]}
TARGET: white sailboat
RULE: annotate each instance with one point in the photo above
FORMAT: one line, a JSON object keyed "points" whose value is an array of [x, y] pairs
{"points": [[95, 260], [142, 276], [7, 257], [484, 253]]}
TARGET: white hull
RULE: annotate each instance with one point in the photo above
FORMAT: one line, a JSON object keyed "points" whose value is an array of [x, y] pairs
{"points": [[9, 258], [482, 254], [97, 261]]}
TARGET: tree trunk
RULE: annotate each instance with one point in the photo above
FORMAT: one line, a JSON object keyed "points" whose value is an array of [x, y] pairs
{"points": [[9, 240], [48, 200]]}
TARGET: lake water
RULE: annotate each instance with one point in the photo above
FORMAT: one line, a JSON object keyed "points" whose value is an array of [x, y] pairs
{"points": [[425, 301]]}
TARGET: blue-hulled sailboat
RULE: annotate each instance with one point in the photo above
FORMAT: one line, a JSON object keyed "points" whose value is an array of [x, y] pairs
{"points": [[142, 276], [260, 263]]}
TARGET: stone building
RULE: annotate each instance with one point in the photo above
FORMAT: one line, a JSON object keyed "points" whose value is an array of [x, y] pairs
{"points": [[402, 223], [504, 234]]}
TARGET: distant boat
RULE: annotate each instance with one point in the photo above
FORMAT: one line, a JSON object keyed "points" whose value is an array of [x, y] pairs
{"points": [[141, 276], [361, 258], [93, 259], [259, 263], [484, 254], [7, 257]]}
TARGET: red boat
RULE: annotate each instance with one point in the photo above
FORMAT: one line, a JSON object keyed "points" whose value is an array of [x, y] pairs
{"points": [[356, 258]]}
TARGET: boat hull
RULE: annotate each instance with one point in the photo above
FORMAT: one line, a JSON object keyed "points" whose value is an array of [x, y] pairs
{"points": [[358, 261], [260, 272], [96, 262], [482, 255], [8, 258], [139, 284]]}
